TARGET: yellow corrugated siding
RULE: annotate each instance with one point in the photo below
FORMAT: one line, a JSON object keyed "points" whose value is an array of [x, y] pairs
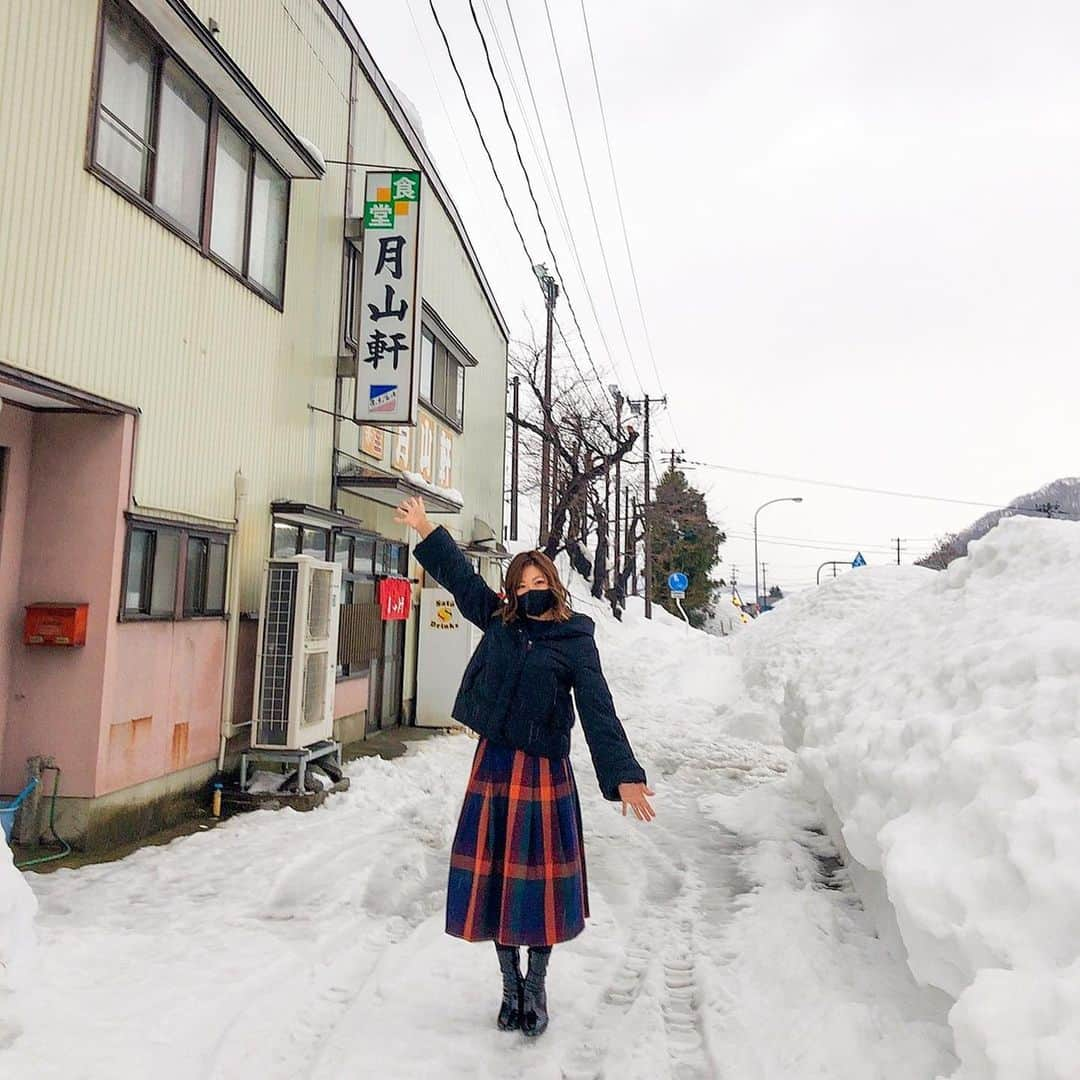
{"points": [[99, 296]]}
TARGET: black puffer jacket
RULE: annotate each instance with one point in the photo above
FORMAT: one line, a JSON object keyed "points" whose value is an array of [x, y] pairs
{"points": [[516, 688]]}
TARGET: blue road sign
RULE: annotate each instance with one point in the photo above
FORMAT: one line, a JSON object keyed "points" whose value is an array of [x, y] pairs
{"points": [[858, 560], [678, 582]]}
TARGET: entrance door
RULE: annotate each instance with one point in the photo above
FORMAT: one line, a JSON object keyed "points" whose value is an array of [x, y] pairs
{"points": [[393, 672], [388, 668], [375, 693]]}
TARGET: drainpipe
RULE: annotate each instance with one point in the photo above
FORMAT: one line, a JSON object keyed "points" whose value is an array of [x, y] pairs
{"points": [[232, 631]]}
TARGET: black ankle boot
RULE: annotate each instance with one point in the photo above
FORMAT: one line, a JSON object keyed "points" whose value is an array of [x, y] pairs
{"points": [[510, 965], [534, 1014]]}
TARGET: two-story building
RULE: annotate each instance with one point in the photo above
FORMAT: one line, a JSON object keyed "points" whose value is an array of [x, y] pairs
{"points": [[179, 262]]}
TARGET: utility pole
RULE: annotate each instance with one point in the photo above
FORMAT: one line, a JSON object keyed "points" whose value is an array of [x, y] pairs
{"points": [[764, 590], [514, 461], [647, 524], [607, 515], [617, 395], [647, 403], [898, 540], [551, 293]]}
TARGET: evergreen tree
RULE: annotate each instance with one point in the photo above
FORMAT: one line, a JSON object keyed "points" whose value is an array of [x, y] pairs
{"points": [[683, 538]]}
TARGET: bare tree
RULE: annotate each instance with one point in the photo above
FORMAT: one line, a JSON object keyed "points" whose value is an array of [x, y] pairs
{"points": [[585, 446], [949, 547]]}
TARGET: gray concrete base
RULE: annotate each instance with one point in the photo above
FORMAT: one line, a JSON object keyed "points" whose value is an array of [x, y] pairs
{"points": [[122, 816]]}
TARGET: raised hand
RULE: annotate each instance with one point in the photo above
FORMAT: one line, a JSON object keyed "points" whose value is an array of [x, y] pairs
{"points": [[411, 512], [634, 796]]}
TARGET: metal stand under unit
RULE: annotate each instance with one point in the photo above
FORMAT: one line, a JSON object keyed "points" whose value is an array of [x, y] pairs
{"points": [[299, 759]]}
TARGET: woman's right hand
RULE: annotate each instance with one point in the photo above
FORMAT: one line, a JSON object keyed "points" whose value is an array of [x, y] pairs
{"points": [[411, 512]]}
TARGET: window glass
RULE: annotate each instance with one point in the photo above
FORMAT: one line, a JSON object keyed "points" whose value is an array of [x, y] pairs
{"points": [[227, 222], [215, 578], [180, 168], [166, 550], [140, 550], [453, 373], [427, 364], [286, 540], [126, 100], [364, 556], [384, 557], [195, 575], [315, 542], [438, 391], [394, 558], [269, 209], [459, 414], [144, 97], [343, 551]]}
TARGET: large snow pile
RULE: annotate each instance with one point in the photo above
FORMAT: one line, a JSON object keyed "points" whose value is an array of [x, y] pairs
{"points": [[939, 715], [17, 909]]}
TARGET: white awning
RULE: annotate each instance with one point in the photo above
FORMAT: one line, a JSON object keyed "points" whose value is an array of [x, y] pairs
{"points": [[390, 490], [193, 43]]}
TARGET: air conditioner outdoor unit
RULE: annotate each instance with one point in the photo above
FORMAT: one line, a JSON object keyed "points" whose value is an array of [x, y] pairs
{"points": [[296, 659]]}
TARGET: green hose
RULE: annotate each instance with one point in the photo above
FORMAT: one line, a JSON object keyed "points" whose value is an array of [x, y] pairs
{"points": [[52, 828]]}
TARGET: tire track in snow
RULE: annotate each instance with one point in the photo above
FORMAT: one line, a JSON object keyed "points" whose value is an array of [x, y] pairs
{"points": [[660, 960], [586, 1061]]}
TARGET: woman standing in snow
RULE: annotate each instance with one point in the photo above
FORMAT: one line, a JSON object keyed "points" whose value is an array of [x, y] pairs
{"points": [[517, 868]]}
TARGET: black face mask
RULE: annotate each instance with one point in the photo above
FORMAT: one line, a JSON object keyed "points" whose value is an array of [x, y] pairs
{"points": [[536, 602]]}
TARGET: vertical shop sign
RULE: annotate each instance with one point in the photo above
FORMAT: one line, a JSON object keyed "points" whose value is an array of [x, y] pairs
{"points": [[390, 300]]}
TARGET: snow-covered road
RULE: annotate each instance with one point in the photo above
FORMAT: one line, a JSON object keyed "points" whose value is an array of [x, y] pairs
{"points": [[724, 941]]}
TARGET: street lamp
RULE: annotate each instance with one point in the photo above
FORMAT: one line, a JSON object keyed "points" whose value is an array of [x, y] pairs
{"points": [[757, 565]]}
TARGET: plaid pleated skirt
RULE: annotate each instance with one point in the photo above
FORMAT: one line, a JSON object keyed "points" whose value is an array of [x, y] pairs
{"points": [[517, 867]]}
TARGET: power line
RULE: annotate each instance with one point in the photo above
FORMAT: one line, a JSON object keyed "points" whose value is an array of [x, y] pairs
{"points": [[442, 102], [622, 215], [851, 487], [589, 196], [528, 185], [747, 527], [550, 177], [494, 169], [864, 548], [545, 168], [480, 132]]}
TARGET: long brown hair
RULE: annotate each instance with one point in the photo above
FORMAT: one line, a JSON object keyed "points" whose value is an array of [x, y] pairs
{"points": [[516, 571]]}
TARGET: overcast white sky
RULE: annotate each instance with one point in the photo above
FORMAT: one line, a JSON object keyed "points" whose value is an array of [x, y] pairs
{"points": [[855, 226]]}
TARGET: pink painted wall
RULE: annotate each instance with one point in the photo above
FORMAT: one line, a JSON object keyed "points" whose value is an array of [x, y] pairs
{"points": [[16, 432], [162, 704], [142, 699], [350, 696], [78, 486]]}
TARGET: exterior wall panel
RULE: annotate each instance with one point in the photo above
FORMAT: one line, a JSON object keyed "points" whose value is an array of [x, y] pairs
{"points": [[221, 378]]}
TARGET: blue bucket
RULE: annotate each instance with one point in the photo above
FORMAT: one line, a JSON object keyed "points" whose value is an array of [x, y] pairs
{"points": [[7, 813]]}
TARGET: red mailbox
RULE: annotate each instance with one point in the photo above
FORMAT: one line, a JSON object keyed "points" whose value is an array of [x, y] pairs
{"points": [[55, 624]]}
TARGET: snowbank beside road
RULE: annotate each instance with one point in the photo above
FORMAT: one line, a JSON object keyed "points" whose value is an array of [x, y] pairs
{"points": [[939, 716], [17, 909]]}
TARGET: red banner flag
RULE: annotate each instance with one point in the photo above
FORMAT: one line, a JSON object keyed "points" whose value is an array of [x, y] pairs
{"points": [[395, 595]]}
